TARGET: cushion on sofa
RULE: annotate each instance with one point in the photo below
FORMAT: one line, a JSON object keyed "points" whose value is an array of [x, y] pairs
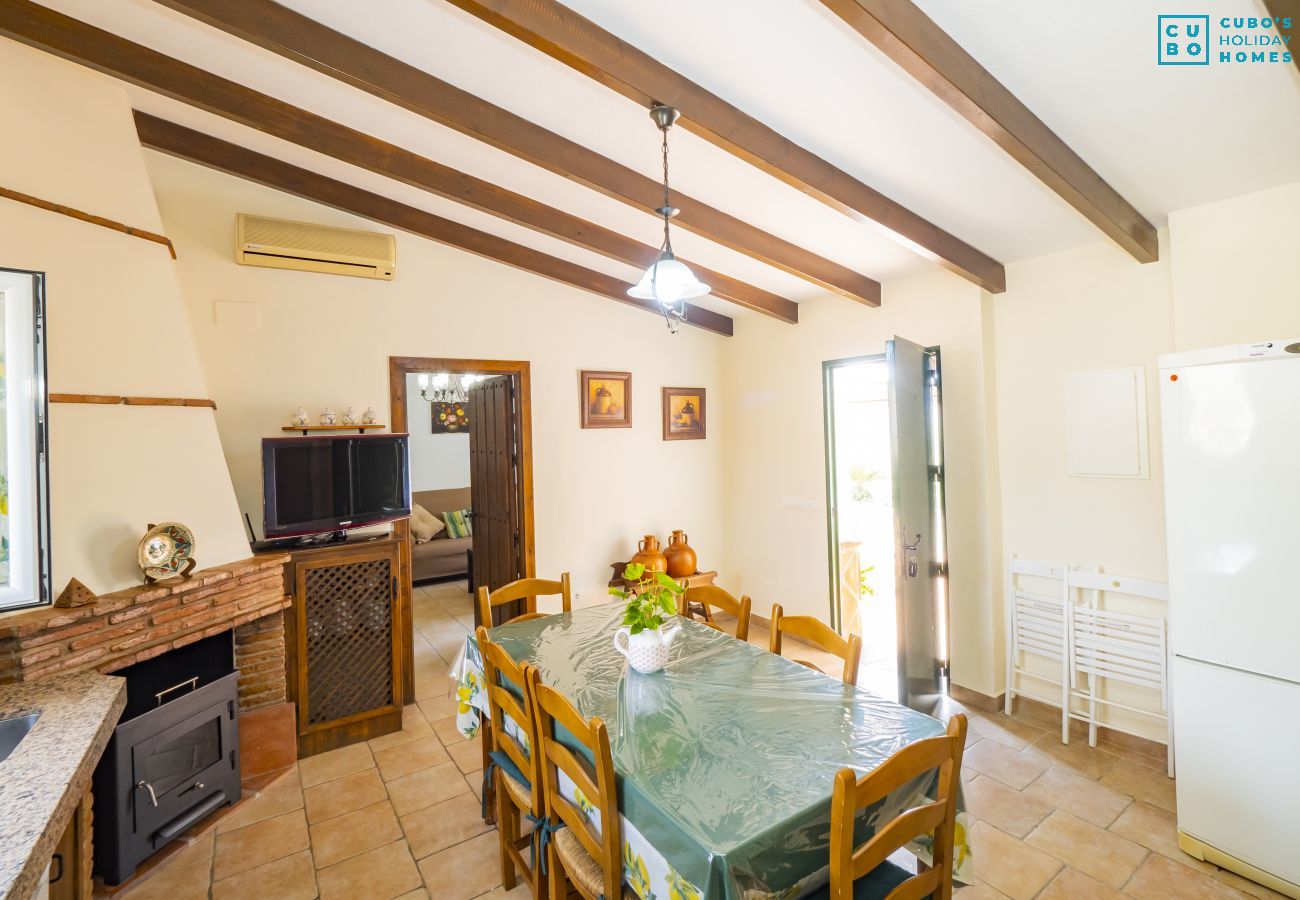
{"points": [[424, 524]]}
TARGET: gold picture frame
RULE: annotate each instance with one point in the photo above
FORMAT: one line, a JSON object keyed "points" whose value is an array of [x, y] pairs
{"points": [[685, 416], [605, 399]]}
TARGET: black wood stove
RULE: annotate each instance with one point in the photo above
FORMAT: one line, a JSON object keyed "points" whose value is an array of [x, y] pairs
{"points": [[174, 757]]}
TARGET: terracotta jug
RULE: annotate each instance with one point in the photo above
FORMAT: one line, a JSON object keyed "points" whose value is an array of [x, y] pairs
{"points": [[649, 555], [680, 556]]}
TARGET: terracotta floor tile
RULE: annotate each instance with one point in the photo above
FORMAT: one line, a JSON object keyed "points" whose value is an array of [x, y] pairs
{"points": [[447, 731], [417, 894], [468, 756], [464, 871], [1006, 730], [334, 764], [1156, 829], [1010, 810], [1141, 783], [1071, 884], [282, 796], [1160, 878], [171, 882], [1011, 767], [262, 842], [1009, 865], [343, 795], [1107, 857], [439, 706], [351, 833], [414, 726], [1245, 885], [425, 788], [444, 825], [289, 878], [198, 849], [1075, 793], [1090, 762], [394, 762], [977, 892], [517, 892], [378, 874]]}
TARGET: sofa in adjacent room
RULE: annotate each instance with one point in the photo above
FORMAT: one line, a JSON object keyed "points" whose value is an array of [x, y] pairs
{"points": [[442, 556]]}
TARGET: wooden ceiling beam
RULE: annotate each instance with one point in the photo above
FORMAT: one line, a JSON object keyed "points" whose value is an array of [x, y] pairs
{"points": [[195, 146], [1288, 11], [294, 36], [578, 42], [53, 32], [900, 30]]}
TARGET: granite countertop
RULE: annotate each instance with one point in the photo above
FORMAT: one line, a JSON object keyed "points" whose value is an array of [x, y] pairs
{"points": [[43, 780]]}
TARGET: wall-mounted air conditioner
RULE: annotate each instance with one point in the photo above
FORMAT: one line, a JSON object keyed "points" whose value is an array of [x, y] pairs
{"points": [[313, 248]]}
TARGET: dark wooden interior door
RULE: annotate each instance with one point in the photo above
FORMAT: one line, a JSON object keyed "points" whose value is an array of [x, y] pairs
{"points": [[496, 488]]}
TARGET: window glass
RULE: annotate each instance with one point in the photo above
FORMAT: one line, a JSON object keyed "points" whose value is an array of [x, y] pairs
{"points": [[24, 490]]}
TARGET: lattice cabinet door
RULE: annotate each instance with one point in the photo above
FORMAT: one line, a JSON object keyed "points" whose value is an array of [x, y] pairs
{"points": [[346, 647]]}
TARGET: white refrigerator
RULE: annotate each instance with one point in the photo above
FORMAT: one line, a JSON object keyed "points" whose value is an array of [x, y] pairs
{"points": [[1231, 425]]}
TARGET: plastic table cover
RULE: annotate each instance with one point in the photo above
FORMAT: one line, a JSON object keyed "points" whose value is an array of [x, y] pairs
{"points": [[725, 760]]}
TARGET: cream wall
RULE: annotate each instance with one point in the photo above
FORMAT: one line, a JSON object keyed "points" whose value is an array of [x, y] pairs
{"points": [[116, 325], [1236, 273], [269, 340], [776, 482]]}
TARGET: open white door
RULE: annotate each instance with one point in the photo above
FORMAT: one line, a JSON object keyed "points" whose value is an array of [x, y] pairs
{"points": [[919, 577]]}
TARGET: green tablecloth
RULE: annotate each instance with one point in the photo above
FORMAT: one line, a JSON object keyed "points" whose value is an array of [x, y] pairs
{"points": [[726, 759]]}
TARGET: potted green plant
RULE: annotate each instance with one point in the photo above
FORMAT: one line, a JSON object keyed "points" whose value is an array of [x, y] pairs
{"points": [[651, 601]]}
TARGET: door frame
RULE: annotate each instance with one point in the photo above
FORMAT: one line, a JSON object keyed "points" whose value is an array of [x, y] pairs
{"points": [[832, 509], [937, 465], [399, 404]]}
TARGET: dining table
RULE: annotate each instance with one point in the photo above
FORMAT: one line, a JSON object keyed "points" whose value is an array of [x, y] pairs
{"points": [[725, 761]]}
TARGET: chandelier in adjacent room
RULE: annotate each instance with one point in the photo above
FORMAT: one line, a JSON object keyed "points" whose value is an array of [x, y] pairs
{"points": [[446, 387]]}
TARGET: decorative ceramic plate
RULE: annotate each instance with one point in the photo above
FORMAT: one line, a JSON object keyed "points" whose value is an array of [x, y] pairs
{"points": [[166, 550]]}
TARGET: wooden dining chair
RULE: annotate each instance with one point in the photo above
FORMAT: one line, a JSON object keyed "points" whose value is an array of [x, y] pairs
{"points": [[709, 597], [864, 871], [524, 589], [509, 696], [585, 848], [820, 635]]}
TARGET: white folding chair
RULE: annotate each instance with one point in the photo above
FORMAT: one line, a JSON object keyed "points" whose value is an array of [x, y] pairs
{"points": [[1037, 625], [1115, 646]]}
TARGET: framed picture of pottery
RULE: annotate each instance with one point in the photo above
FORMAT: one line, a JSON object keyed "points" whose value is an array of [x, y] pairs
{"points": [[606, 399], [684, 414], [449, 418]]}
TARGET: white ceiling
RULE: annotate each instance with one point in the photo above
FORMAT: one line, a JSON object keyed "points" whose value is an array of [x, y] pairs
{"points": [[1166, 138]]}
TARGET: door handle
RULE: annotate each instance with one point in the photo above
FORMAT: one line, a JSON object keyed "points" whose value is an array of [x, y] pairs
{"points": [[153, 798], [910, 551]]}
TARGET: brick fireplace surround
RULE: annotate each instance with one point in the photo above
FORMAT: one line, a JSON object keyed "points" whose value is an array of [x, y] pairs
{"points": [[138, 623]]}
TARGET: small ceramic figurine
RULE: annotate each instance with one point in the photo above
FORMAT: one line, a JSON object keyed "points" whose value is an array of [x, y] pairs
{"points": [[349, 416], [369, 417], [327, 417], [299, 417]]}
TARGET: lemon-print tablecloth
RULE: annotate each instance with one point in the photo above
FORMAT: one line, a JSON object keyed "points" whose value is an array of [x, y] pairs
{"points": [[726, 759]]}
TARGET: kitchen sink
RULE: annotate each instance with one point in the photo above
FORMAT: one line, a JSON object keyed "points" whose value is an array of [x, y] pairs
{"points": [[12, 731]]}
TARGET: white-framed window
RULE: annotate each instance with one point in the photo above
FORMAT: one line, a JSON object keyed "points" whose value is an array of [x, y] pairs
{"points": [[24, 469]]}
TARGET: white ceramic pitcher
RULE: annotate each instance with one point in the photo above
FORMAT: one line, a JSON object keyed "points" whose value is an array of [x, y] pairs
{"points": [[647, 651]]}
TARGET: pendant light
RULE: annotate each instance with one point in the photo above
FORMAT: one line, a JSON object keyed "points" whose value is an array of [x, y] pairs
{"points": [[669, 282]]}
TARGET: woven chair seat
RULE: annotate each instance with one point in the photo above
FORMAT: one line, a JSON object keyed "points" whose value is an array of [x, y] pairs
{"points": [[581, 866], [520, 794]]}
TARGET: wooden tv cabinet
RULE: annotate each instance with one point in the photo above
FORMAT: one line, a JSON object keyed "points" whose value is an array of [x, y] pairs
{"points": [[343, 645]]}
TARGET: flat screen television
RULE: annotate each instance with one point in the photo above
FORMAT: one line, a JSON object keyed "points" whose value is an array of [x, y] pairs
{"points": [[316, 485]]}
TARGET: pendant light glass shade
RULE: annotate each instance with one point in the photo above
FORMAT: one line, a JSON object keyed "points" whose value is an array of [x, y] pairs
{"points": [[668, 282]]}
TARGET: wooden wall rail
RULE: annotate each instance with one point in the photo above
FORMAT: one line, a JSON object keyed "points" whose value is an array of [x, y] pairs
{"points": [[87, 217], [118, 400]]}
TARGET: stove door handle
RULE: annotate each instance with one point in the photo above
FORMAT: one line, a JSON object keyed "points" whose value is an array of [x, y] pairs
{"points": [[153, 798]]}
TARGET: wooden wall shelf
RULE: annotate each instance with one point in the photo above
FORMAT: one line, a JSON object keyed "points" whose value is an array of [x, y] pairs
{"points": [[360, 429]]}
